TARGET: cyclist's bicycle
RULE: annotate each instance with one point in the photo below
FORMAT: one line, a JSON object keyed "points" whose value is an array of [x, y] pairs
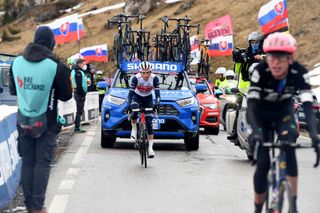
{"points": [[279, 197], [142, 135]]}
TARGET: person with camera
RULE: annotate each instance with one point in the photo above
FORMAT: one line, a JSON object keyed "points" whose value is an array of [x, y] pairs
{"points": [[243, 60]]}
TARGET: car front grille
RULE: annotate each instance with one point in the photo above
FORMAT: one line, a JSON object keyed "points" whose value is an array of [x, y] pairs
{"points": [[168, 110], [211, 119]]}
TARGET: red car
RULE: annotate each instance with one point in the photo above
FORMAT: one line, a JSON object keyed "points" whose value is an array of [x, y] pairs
{"points": [[209, 106]]}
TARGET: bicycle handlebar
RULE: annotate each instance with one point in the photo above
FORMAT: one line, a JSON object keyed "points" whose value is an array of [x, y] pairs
{"points": [[280, 145], [191, 26], [118, 22]]}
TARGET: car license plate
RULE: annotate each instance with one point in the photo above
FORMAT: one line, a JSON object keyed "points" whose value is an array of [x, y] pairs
{"points": [[156, 123]]}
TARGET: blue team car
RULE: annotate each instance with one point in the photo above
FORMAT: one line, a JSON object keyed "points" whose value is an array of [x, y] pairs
{"points": [[178, 117]]}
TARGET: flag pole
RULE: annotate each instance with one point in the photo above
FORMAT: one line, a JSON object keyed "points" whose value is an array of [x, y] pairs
{"points": [[78, 32]]}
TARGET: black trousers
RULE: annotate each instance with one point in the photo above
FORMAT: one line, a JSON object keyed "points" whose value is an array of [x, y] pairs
{"points": [[80, 106], [37, 156]]}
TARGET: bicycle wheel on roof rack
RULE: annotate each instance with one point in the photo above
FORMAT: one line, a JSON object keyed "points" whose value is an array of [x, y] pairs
{"points": [[146, 47], [128, 43], [186, 50], [116, 48]]}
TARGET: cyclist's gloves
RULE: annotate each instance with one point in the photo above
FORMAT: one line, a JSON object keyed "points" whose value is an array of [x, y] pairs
{"points": [[253, 139], [128, 108], [156, 107], [254, 142]]}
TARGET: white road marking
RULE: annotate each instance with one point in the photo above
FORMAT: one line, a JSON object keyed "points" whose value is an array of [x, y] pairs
{"points": [[58, 204], [67, 184], [82, 150], [72, 173], [60, 201]]}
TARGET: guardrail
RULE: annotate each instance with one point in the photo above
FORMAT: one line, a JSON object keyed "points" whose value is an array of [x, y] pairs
{"points": [[10, 163]]}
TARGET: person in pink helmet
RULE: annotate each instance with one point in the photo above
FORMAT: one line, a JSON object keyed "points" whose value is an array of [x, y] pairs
{"points": [[274, 82]]}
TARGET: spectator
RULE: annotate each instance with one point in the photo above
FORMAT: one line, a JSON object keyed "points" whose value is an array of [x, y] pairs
{"points": [[89, 72], [79, 81], [39, 80]]}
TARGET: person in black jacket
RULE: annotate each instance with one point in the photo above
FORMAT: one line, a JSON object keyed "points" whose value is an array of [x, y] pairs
{"points": [[274, 83], [253, 54], [79, 81], [39, 80]]}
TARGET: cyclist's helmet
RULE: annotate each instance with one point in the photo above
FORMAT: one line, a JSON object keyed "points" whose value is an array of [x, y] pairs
{"points": [[255, 36], [280, 42], [230, 74], [221, 70], [145, 66]]}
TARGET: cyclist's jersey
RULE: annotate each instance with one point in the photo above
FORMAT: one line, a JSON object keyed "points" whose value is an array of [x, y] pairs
{"points": [[144, 88], [267, 95], [274, 94]]}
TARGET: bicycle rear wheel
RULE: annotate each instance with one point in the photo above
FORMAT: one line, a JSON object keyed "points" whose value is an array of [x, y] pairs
{"points": [[285, 198]]}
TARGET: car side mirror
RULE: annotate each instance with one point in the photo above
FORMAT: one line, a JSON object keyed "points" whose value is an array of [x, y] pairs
{"points": [[102, 85], [217, 93], [201, 88], [1, 90]]}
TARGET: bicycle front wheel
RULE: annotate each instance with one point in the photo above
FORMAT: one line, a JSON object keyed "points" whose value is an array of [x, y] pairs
{"points": [[285, 197], [142, 144]]}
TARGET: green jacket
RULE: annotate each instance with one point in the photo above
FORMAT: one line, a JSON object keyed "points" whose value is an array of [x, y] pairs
{"points": [[243, 85]]}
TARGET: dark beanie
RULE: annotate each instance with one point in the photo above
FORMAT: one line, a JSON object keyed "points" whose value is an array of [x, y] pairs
{"points": [[45, 37]]}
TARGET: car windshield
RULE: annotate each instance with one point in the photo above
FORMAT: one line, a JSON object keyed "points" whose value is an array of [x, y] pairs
{"points": [[195, 81], [168, 80]]}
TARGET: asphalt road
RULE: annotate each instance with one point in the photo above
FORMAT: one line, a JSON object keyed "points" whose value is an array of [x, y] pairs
{"points": [[216, 178]]}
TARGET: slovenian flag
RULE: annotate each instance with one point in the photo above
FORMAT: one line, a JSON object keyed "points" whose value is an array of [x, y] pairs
{"points": [[65, 29], [273, 17], [95, 53]]}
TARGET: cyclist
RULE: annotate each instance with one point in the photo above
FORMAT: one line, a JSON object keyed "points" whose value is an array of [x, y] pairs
{"points": [[219, 74], [274, 82], [252, 55], [140, 95]]}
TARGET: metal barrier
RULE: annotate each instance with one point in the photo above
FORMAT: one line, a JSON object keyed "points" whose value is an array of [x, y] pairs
{"points": [[10, 163]]}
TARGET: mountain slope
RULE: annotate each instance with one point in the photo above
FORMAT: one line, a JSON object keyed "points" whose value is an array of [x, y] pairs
{"points": [[303, 19]]}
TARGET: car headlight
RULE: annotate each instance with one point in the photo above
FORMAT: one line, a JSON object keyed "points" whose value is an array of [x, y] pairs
{"points": [[115, 100], [186, 102], [231, 98], [211, 106]]}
